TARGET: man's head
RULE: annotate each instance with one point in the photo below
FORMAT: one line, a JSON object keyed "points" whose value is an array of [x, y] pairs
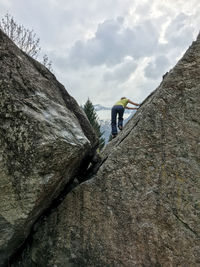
{"points": [[123, 97]]}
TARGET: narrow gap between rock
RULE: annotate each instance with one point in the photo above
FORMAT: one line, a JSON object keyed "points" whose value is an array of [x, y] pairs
{"points": [[87, 170]]}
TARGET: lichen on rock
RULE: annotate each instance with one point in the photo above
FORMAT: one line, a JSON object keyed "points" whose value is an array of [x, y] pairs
{"points": [[142, 207], [44, 136]]}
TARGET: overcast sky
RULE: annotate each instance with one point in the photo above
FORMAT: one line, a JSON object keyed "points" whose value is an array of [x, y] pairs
{"points": [[105, 49]]}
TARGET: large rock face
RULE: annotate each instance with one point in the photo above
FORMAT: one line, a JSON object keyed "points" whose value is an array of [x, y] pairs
{"points": [[142, 208], [44, 136]]}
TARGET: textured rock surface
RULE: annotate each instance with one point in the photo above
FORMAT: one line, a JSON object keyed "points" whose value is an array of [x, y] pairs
{"points": [[41, 142], [142, 208]]}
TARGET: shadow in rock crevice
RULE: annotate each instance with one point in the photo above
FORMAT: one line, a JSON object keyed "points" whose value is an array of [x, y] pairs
{"points": [[88, 168]]}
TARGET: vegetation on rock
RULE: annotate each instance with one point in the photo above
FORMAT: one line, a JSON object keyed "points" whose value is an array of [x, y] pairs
{"points": [[24, 38]]}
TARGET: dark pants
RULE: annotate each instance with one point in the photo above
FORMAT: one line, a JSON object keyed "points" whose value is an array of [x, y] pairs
{"points": [[120, 111]]}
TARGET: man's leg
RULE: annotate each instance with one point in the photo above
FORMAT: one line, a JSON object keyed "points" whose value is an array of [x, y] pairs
{"points": [[114, 120], [120, 117]]}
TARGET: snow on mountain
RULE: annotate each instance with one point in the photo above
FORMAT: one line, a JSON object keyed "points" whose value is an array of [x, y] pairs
{"points": [[99, 107]]}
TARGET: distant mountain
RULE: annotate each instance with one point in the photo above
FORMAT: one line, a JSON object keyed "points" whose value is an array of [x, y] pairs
{"points": [[100, 107], [104, 116]]}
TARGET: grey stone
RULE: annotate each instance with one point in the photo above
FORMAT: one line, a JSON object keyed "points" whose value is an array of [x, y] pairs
{"points": [[44, 136], [142, 207]]}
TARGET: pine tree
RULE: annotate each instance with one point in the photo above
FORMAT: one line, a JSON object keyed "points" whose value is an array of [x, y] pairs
{"points": [[93, 119]]}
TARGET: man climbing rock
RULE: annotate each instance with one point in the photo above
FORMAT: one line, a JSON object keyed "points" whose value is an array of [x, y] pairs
{"points": [[118, 108]]}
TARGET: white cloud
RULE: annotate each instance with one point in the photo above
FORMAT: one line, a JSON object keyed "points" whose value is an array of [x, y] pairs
{"points": [[5, 4], [179, 33], [106, 49], [121, 72], [157, 67], [113, 41]]}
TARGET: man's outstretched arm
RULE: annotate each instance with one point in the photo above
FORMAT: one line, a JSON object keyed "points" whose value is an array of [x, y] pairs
{"points": [[130, 108], [133, 103]]}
